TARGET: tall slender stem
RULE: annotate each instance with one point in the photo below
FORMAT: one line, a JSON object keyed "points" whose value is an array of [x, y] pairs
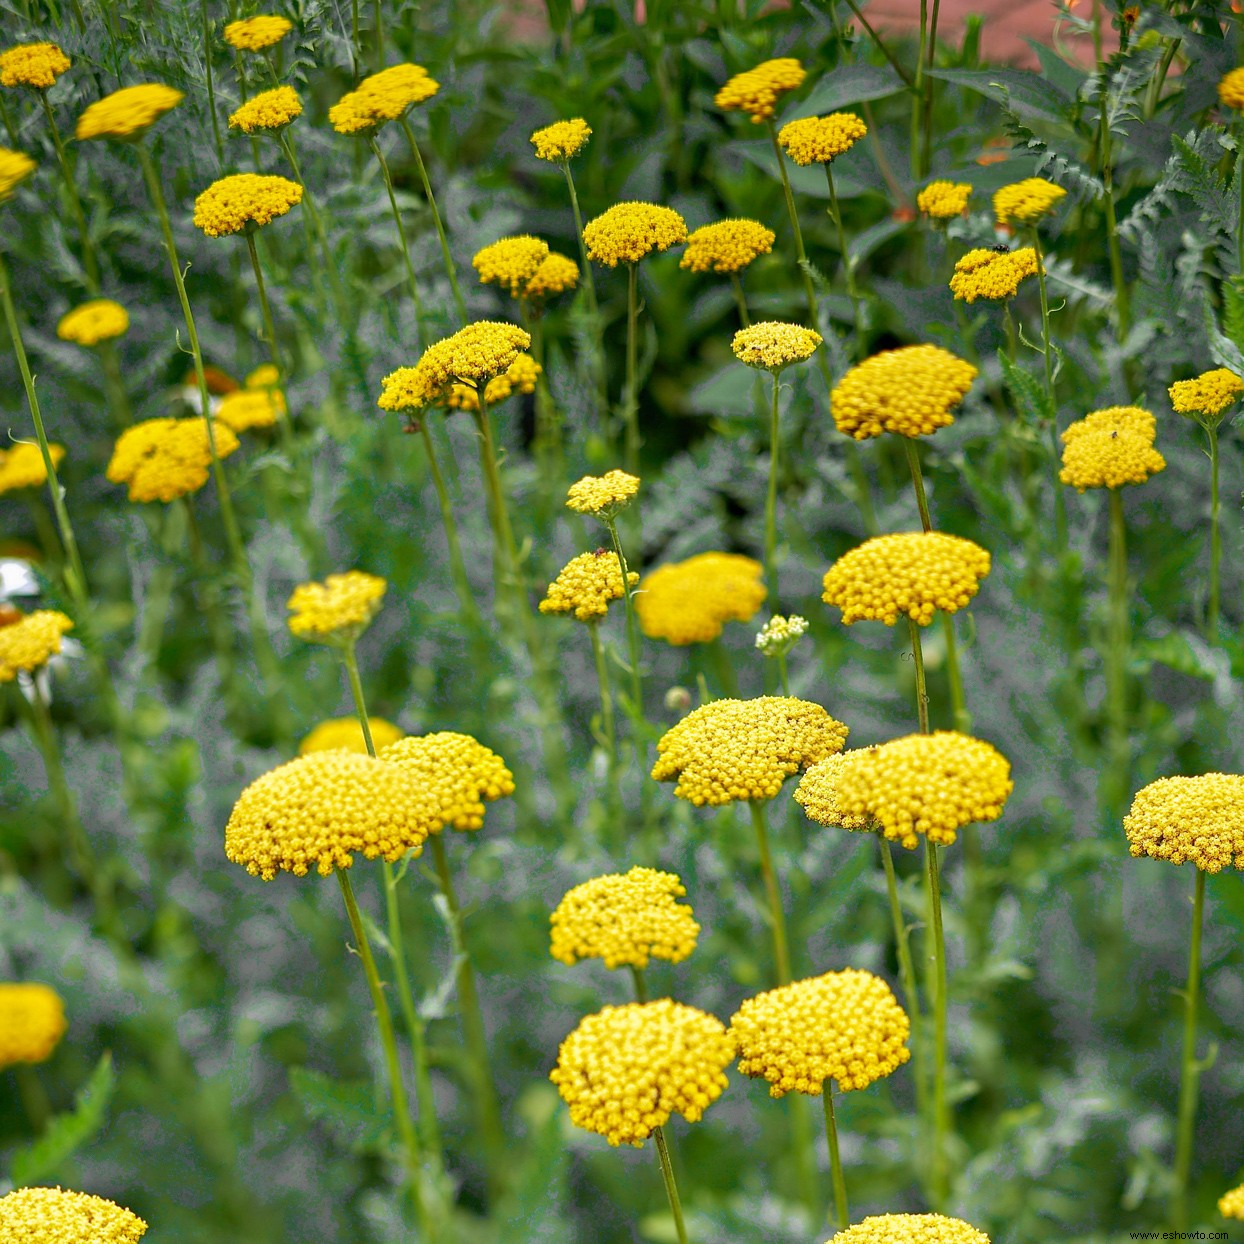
{"points": [[671, 1188], [593, 307], [848, 267], [926, 141], [265, 307], [632, 625], [114, 385], [917, 481], [1060, 505], [906, 971], [922, 693], [958, 705], [89, 259], [211, 86], [1190, 1068], [917, 97], [1117, 657], [640, 983], [777, 919], [457, 567], [608, 728], [1215, 534], [450, 270], [937, 988], [740, 300], [771, 570], [401, 232], [842, 1216], [630, 400], [1122, 302]]}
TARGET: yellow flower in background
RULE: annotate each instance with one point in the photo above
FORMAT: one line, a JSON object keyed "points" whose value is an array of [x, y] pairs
{"points": [[689, 602], [910, 392], [628, 232], [254, 34], [1231, 90], [163, 459], [32, 1022], [1110, 448], [602, 496], [726, 246], [842, 1026], [912, 573], [32, 642], [943, 200], [338, 610], [817, 793], [101, 319], [1209, 394], [819, 140], [728, 750], [346, 734], [244, 409], [625, 919], [35, 65], [625, 1070], [127, 113], [15, 167], [242, 201], [1231, 1204], [385, 96], [1025, 202], [511, 262], [23, 465], [456, 774], [265, 376], [563, 140], [756, 91], [586, 585], [55, 1216], [556, 274], [1189, 819], [910, 1229], [992, 274], [269, 110], [771, 345]]}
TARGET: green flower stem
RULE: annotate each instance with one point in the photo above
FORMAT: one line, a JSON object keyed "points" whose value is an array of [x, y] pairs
{"points": [[45, 528], [1117, 644], [841, 1216], [457, 567], [274, 350], [740, 300], [397, 1089], [1190, 1070], [608, 728], [640, 982], [917, 95], [599, 369], [313, 227], [549, 443], [848, 267], [450, 270], [777, 919], [926, 145], [771, 570], [958, 705], [401, 232], [922, 692], [211, 86], [725, 668], [239, 67], [217, 623], [1060, 504], [89, 259], [632, 621], [671, 1188], [630, 398], [1008, 321], [917, 481], [880, 44], [1122, 302], [378, 50], [1215, 534], [783, 676], [114, 385], [937, 989], [907, 972]]}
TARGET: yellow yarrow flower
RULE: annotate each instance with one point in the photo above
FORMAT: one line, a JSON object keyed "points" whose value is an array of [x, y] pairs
{"points": [[385, 96], [31, 643], [628, 232], [101, 319], [625, 1070], [1208, 395], [586, 585], [728, 750], [992, 274], [345, 734], [843, 1026], [338, 610], [510, 262], [1025, 202], [910, 1229], [772, 345], [910, 392], [15, 167], [244, 201], [55, 1216], [163, 459], [756, 91], [689, 602], [1110, 448], [602, 496], [626, 919], [32, 1022], [244, 409], [457, 775], [1231, 90], [127, 113], [556, 274], [1231, 1204], [35, 65], [472, 356], [521, 376], [943, 200], [819, 140], [563, 140], [726, 246], [817, 793], [254, 34], [23, 465], [913, 573], [269, 110], [1182, 819]]}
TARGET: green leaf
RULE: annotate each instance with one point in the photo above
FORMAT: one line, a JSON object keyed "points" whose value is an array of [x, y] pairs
{"points": [[346, 1107], [1233, 309], [1020, 89], [853, 84], [67, 1132], [1026, 391], [1205, 185]]}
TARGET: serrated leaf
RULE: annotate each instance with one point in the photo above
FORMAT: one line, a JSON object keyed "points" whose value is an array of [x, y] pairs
{"points": [[1201, 181], [67, 1132], [1027, 392], [347, 1107]]}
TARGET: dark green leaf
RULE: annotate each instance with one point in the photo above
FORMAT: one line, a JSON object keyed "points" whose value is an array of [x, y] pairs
{"points": [[67, 1132]]}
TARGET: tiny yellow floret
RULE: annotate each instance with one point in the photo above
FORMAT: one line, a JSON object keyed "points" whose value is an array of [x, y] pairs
{"points": [[910, 392], [1110, 448], [689, 602], [726, 246], [756, 91], [510, 262], [127, 113], [602, 496], [772, 345], [338, 610], [586, 585], [101, 319], [23, 465], [1189, 819], [269, 110], [1025, 202], [456, 774], [943, 200], [254, 34], [345, 734], [819, 140], [56, 1216], [563, 140], [991, 274], [628, 232], [32, 1022], [35, 65], [163, 459], [910, 1229], [1209, 394], [15, 167]]}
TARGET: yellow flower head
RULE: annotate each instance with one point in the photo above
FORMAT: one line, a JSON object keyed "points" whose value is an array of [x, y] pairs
{"points": [[1027, 201], [1109, 448], [254, 34], [1231, 90], [265, 376], [32, 1022], [511, 262], [910, 391], [943, 200], [244, 201], [101, 319], [756, 90], [563, 140], [53, 1216], [472, 356], [602, 496], [556, 274], [31, 643], [1208, 395], [243, 409], [163, 459], [772, 345], [912, 573], [992, 274], [727, 246], [36, 65], [338, 610], [383, 97], [817, 140], [520, 377], [817, 793], [627, 232], [127, 113], [627, 1069], [930, 784], [15, 167], [344, 734], [1188, 818], [910, 1229], [843, 1026], [1231, 1204], [744, 749], [624, 919], [586, 585], [689, 602], [269, 110], [457, 775], [23, 465]]}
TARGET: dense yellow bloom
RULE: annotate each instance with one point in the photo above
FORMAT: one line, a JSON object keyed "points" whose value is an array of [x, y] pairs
{"points": [[472, 356], [602, 496], [586, 585], [36, 65], [1231, 90], [1027, 201], [912, 573], [243, 409], [54, 1216], [563, 140], [992, 274], [627, 1069], [520, 377], [1209, 394], [818, 140], [1109, 448], [163, 459], [817, 793], [1189, 818], [269, 110], [910, 1229], [15, 167], [265, 376], [101, 319], [943, 200], [1231, 1204], [756, 90], [556, 274], [688, 602], [925, 784], [910, 391], [254, 34], [243, 201], [727, 246], [32, 642], [338, 610], [843, 1026], [744, 749], [383, 97], [779, 635], [457, 775], [627, 232], [624, 919], [346, 734], [772, 345], [510, 262], [32, 1022], [128, 112], [23, 465]]}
